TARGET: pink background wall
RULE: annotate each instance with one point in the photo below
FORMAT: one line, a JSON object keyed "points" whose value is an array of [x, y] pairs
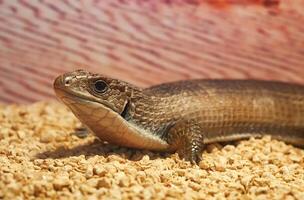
{"points": [[146, 42]]}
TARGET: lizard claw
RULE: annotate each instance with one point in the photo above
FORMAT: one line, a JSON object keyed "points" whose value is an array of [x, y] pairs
{"points": [[194, 155]]}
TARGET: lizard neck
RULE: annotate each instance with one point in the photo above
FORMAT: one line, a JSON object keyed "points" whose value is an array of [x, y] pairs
{"points": [[149, 113]]}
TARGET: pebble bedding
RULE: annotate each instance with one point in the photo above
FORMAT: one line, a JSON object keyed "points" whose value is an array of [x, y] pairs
{"points": [[43, 155]]}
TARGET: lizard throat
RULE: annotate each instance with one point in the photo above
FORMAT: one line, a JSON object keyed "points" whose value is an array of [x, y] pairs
{"points": [[111, 126]]}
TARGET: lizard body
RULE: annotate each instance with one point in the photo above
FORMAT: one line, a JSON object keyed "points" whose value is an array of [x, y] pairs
{"points": [[183, 116]]}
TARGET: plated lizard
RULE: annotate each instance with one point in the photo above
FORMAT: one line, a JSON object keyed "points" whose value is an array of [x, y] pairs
{"points": [[186, 115]]}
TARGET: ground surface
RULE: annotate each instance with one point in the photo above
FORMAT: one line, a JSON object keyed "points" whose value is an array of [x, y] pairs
{"points": [[40, 156]]}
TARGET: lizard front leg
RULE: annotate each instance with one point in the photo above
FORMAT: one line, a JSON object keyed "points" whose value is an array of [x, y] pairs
{"points": [[186, 137]]}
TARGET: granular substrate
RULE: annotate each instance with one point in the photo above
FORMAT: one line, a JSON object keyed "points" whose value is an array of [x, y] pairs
{"points": [[44, 156]]}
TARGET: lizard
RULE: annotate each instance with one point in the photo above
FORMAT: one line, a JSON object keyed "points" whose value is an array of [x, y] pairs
{"points": [[183, 116]]}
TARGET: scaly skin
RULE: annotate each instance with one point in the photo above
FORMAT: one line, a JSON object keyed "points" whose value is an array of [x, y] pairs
{"points": [[183, 116]]}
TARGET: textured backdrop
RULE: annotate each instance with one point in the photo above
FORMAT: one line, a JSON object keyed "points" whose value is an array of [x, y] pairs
{"points": [[147, 42]]}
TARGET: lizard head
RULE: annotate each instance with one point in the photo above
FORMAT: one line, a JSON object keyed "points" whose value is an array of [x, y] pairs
{"points": [[83, 88], [105, 106]]}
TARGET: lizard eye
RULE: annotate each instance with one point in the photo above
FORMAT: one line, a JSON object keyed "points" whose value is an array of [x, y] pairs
{"points": [[67, 81], [100, 86]]}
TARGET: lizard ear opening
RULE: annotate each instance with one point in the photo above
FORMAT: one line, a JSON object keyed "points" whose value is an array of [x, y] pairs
{"points": [[125, 112]]}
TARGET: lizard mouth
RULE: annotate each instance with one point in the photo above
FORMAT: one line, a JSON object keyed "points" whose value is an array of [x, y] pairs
{"points": [[63, 94]]}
